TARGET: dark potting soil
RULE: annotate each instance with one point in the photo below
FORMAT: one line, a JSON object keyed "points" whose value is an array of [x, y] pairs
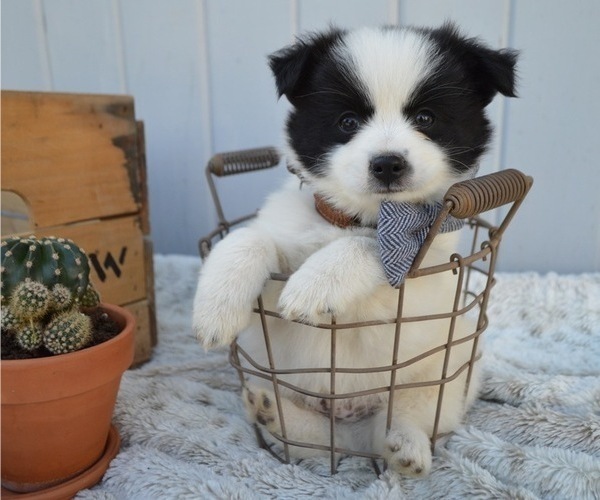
{"points": [[103, 329]]}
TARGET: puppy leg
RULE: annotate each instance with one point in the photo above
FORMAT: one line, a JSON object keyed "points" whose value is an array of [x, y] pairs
{"points": [[407, 445], [301, 424], [230, 280], [333, 279], [407, 449]]}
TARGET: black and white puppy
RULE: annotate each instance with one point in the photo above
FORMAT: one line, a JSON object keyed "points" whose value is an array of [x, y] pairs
{"points": [[377, 114]]}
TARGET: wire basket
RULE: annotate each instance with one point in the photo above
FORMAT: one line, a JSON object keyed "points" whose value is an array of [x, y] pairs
{"points": [[473, 275]]}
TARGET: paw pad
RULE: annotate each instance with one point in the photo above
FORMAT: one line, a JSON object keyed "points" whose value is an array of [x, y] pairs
{"points": [[408, 452], [261, 409]]}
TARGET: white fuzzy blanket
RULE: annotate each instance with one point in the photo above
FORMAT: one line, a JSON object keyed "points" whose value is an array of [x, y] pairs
{"points": [[534, 432]]}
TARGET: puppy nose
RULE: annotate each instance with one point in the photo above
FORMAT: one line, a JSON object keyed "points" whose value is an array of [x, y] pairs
{"points": [[388, 168]]}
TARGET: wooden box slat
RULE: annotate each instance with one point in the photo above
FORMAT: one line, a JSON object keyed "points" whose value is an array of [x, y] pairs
{"points": [[115, 249], [146, 322], [86, 149]]}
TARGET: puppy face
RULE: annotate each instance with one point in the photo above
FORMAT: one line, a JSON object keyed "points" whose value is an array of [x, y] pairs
{"points": [[392, 113]]}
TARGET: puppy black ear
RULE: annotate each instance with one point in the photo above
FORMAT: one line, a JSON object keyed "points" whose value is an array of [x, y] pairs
{"points": [[491, 71], [494, 71], [287, 65], [292, 66]]}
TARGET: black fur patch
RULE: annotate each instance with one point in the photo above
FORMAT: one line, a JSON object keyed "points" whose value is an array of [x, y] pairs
{"points": [[321, 88]]}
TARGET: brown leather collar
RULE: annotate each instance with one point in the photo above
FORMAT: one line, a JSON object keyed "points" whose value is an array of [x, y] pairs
{"points": [[333, 215]]}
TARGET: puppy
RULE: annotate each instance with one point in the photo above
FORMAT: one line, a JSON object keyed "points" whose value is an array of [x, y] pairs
{"points": [[389, 114]]}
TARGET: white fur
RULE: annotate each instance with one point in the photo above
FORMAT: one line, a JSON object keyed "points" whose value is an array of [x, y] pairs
{"points": [[390, 64], [338, 271]]}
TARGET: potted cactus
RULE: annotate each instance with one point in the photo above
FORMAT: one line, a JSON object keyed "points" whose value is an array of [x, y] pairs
{"points": [[57, 404], [44, 283]]}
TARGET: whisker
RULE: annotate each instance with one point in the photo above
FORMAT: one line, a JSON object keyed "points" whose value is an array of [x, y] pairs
{"points": [[458, 149], [441, 91], [318, 160], [454, 160], [329, 91]]}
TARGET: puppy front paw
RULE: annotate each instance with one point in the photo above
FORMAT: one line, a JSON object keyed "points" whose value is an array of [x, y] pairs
{"points": [[302, 307], [216, 324], [408, 451], [311, 298]]}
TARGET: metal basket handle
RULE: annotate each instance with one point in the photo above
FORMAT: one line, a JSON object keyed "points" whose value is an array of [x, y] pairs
{"points": [[470, 198], [237, 162], [230, 163], [485, 193], [247, 160]]}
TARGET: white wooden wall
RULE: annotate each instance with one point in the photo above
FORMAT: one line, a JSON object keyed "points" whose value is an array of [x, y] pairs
{"points": [[198, 72]]}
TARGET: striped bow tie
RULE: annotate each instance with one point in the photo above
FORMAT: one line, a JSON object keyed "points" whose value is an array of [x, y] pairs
{"points": [[401, 230]]}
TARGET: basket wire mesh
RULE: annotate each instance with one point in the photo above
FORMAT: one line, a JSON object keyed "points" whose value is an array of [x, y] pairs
{"points": [[474, 274]]}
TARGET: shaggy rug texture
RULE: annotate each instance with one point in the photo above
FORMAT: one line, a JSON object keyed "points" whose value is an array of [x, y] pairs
{"points": [[533, 433]]}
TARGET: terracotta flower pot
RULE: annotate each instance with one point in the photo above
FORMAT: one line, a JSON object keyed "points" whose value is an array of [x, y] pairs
{"points": [[57, 411]]}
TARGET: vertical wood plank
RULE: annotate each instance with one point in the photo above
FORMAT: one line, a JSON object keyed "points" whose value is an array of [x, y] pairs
{"points": [[317, 15], [163, 47], [551, 133], [81, 44], [245, 109], [393, 12], [477, 17], [24, 63], [245, 113]]}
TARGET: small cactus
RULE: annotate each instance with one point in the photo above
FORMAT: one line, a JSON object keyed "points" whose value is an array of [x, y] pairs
{"points": [[30, 337], [68, 332], [29, 301], [46, 260], [90, 298], [60, 297], [9, 320], [44, 283]]}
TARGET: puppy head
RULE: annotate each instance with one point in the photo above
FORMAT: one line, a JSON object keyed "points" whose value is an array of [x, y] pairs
{"points": [[390, 113]]}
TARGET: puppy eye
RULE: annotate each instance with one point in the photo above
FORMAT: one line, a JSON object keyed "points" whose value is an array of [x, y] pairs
{"points": [[349, 122], [424, 118]]}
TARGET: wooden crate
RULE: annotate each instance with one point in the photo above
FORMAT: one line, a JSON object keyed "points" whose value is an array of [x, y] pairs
{"points": [[73, 165]]}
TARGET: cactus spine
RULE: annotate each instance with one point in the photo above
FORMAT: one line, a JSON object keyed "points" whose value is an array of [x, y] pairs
{"points": [[44, 283]]}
